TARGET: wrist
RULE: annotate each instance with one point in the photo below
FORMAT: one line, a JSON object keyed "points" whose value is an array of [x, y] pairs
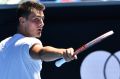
{"points": [[62, 51]]}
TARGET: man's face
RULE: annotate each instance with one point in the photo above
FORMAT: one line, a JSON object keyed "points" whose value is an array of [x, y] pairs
{"points": [[33, 25]]}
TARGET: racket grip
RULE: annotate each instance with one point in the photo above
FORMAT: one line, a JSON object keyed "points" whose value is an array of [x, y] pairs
{"points": [[60, 62]]}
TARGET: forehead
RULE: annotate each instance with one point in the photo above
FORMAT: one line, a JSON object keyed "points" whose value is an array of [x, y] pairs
{"points": [[38, 13]]}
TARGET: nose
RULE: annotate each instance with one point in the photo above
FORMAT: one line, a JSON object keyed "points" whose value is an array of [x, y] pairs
{"points": [[41, 24]]}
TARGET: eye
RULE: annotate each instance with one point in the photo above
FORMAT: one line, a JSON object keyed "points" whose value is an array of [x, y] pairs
{"points": [[36, 20]]}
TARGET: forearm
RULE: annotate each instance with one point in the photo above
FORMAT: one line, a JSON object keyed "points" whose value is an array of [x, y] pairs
{"points": [[49, 53]]}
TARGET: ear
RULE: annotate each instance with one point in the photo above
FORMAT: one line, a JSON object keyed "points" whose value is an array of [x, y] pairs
{"points": [[21, 20]]}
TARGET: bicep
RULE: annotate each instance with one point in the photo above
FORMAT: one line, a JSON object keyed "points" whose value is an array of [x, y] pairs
{"points": [[35, 51]]}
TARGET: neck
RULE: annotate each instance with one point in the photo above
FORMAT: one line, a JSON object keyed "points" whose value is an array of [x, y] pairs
{"points": [[20, 31]]}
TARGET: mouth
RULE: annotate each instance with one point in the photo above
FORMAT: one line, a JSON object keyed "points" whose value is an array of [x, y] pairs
{"points": [[39, 30]]}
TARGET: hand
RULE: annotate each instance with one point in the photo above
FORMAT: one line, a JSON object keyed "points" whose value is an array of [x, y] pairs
{"points": [[68, 54]]}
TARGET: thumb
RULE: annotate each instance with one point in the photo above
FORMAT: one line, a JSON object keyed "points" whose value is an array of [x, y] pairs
{"points": [[75, 56]]}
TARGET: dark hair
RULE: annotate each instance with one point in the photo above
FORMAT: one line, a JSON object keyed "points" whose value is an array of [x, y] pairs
{"points": [[26, 8]]}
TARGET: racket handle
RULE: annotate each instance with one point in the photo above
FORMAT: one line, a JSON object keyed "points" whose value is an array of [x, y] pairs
{"points": [[60, 62]]}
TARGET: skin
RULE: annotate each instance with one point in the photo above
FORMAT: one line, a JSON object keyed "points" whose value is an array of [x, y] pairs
{"points": [[32, 27]]}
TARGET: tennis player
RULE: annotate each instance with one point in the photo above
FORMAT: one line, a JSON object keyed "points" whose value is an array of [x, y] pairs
{"points": [[22, 54]]}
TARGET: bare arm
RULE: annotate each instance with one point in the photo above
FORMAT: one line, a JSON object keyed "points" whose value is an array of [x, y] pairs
{"points": [[49, 53]]}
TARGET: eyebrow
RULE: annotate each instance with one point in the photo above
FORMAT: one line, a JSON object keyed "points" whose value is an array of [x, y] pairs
{"points": [[40, 17]]}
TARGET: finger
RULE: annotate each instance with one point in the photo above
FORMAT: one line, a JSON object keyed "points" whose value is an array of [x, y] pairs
{"points": [[65, 55], [68, 53], [72, 54], [71, 51], [75, 56]]}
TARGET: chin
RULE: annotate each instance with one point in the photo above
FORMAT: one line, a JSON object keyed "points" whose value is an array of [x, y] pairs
{"points": [[38, 36]]}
